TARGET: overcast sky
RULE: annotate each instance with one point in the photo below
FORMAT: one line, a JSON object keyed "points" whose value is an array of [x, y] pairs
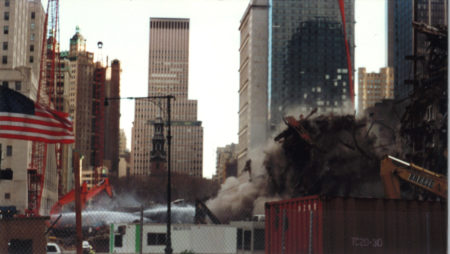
{"points": [[123, 27]]}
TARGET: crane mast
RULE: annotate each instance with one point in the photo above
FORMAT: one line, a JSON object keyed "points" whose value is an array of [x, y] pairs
{"points": [[49, 70]]}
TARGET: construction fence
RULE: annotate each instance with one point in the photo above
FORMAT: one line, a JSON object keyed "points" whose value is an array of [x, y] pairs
{"points": [[129, 232]]}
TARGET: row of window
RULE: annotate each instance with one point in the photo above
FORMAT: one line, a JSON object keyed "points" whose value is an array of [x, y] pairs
{"points": [[6, 15], [5, 59], [5, 46], [152, 239], [18, 86], [6, 27]]}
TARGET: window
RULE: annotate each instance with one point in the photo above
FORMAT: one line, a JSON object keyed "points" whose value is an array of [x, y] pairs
{"points": [[247, 239], [4, 59], [7, 195], [31, 59], [239, 239], [18, 85], [6, 3], [5, 29], [5, 83], [258, 239], [32, 26], [32, 37], [156, 239], [6, 15], [118, 241], [33, 15], [31, 48], [8, 150], [5, 45]]}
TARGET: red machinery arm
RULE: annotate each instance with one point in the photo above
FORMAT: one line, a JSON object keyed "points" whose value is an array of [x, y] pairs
{"points": [[85, 195], [95, 190]]}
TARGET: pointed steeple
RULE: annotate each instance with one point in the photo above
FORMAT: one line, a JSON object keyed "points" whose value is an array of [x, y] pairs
{"points": [[158, 155]]}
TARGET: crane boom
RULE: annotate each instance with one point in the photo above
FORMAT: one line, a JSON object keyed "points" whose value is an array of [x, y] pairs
{"points": [[393, 169], [85, 195]]}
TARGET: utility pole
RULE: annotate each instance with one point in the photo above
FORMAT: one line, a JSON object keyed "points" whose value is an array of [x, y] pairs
{"points": [[77, 162], [1, 156], [168, 249]]}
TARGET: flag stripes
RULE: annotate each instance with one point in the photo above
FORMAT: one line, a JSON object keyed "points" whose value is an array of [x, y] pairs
{"points": [[44, 126]]}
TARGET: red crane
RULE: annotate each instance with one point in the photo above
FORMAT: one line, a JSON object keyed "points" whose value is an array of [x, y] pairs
{"points": [[45, 95]]}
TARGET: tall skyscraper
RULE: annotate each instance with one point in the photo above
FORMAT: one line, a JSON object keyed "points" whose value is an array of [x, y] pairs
{"points": [[253, 94], [86, 82], [168, 75], [402, 38], [374, 87], [301, 46], [112, 118], [80, 95]]}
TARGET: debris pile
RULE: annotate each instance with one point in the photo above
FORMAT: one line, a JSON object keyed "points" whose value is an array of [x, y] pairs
{"points": [[327, 154], [324, 155]]}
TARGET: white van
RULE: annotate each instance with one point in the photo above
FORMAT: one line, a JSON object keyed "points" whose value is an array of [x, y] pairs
{"points": [[53, 248]]}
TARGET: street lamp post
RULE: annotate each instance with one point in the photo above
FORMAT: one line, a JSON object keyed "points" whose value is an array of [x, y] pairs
{"points": [[168, 249]]}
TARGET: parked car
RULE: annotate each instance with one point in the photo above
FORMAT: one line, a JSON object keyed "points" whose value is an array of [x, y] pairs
{"points": [[53, 248]]}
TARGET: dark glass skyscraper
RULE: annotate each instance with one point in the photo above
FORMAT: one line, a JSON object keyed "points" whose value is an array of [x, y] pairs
{"points": [[292, 60], [307, 57]]}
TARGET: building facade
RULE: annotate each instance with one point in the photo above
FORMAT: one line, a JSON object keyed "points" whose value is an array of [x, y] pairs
{"points": [[80, 95], [98, 123], [112, 118], [253, 94], [226, 163], [168, 75], [402, 38], [124, 158], [374, 87], [21, 38], [293, 59], [122, 142]]}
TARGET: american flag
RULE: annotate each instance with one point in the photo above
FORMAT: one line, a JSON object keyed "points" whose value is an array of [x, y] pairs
{"points": [[22, 118]]}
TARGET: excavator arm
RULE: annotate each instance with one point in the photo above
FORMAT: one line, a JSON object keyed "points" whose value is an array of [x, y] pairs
{"points": [[393, 169], [95, 190], [85, 195], [201, 211]]}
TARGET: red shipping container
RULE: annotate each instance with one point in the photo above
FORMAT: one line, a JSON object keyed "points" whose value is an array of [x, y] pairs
{"points": [[333, 225]]}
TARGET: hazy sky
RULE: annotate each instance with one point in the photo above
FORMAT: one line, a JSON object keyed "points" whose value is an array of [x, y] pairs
{"points": [[123, 27]]}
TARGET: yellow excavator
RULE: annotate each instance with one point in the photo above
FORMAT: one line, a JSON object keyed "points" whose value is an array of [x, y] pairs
{"points": [[393, 169]]}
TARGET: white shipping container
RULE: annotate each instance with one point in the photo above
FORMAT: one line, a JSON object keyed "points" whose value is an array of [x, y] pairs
{"points": [[205, 239]]}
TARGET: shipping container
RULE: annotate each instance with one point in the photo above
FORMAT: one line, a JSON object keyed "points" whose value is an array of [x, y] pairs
{"points": [[185, 238], [333, 225]]}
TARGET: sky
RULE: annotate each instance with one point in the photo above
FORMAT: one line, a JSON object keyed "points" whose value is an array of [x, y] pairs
{"points": [[123, 28]]}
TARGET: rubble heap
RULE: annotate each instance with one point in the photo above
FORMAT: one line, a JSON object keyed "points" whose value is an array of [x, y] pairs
{"points": [[324, 155]]}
